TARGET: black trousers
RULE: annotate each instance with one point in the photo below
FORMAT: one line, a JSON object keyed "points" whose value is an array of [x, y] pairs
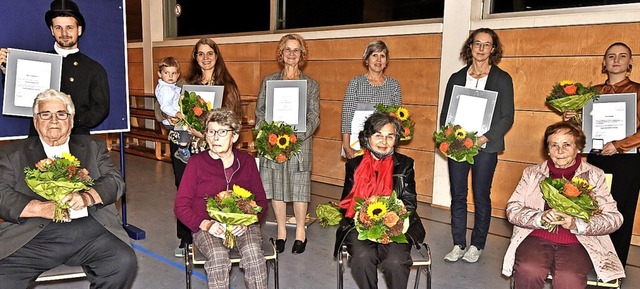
{"points": [[108, 262], [393, 259], [624, 189], [182, 231]]}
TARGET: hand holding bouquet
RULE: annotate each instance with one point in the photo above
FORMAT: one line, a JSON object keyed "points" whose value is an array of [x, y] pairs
{"points": [[235, 207], [571, 96], [456, 143], [574, 198], [402, 114], [53, 179], [276, 141], [194, 110], [381, 219]]}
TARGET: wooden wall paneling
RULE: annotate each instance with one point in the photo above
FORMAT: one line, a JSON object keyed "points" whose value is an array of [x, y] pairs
{"points": [[334, 76], [425, 124], [247, 76], [418, 79], [524, 141], [330, 120], [135, 69], [423, 167], [567, 40], [328, 164], [407, 46]]}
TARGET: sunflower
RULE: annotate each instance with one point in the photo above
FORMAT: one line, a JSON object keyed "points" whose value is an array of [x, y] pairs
{"points": [[377, 210], [241, 192], [582, 183], [566, 82], [283, 141], [461, 134], [402, 113]]}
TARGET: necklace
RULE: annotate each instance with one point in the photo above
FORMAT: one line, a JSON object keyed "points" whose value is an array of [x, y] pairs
{"points": [[478, 74]]}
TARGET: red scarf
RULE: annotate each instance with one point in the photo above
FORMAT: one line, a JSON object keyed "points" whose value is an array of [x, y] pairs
{"points": [[372, 177]]}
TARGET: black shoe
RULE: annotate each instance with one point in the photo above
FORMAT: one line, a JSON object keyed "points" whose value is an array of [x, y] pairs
{"points": [[299, 246], [280, 245]]}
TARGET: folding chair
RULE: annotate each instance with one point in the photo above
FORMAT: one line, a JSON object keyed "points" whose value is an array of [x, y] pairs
{"points": [[193, 256], [61, 272], [420, 255]]}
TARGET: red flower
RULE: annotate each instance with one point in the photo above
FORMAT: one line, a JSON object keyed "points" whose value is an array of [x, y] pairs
{"points": [[293, 138], [570, 89], [273, 139], [197, 111], [448, 132], [444, 147], [281, 158], [468, 143], [406, 132]]}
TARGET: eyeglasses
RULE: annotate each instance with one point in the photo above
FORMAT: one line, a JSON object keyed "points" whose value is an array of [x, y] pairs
{"points": [[60, 115], [209, 54], [221, 132], [379, 137], [292, 51], [484, 45]]}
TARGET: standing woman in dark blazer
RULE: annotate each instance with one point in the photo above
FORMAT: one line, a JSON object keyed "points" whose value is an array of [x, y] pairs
{"points": [[482, 51]]}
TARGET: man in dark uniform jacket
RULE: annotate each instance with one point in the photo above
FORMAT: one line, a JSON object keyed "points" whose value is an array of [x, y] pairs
{"points": [[82, 77]]}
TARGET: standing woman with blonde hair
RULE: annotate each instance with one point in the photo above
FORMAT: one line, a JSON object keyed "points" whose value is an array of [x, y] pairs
{"points": [[291, 181], [617, 64], [373, 87]]}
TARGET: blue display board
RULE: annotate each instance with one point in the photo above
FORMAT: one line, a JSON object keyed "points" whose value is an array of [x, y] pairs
{"points": [[103, 39]]}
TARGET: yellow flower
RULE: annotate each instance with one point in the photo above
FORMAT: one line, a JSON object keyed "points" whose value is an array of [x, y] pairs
{"points": [[283, 141], [402, 113], [377, 210], [242, 192], [209, 105], [461, 134], [581, 182], [566, 82]]}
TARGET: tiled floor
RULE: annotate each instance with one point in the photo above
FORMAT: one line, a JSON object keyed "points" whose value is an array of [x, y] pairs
{"points": [[149, 199]]}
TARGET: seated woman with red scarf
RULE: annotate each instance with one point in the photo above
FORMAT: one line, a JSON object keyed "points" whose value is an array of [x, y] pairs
{"points": [[379, 172]]}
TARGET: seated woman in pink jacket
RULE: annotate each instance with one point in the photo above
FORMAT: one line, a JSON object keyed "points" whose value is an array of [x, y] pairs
{"points": [[577, 247]]}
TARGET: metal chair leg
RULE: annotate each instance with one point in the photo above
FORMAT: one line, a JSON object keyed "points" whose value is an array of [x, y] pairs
{"points": [[188, 266]]}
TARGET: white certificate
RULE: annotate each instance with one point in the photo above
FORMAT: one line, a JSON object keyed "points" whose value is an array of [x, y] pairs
{"points": [[609, 121], [286, 104], [32, 77], [357, 124], [470, 113]]}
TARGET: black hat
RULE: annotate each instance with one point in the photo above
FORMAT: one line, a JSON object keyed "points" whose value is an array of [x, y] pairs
{"points": [[64, 8]]}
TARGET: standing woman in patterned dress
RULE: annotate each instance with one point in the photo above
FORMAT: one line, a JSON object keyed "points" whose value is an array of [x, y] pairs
{"points": [[291, 181], [372, 87]]}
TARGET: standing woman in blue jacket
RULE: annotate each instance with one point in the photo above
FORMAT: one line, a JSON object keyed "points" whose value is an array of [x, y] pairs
{"points": [[482, 52]]}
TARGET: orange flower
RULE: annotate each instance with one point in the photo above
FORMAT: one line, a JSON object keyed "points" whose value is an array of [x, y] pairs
{"points": [[406, 132], [448, 132], [293, 138], [281, 158], [444, 147], [468, 143], [390, 219], [570, 89], [273, 139], [197, 111], [392, 114], [223, 195], [201, 100], [570, 190]]}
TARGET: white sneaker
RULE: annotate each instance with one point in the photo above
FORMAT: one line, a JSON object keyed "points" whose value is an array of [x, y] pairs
{"points": [[455, 254], [472, 255], [178, 252]]}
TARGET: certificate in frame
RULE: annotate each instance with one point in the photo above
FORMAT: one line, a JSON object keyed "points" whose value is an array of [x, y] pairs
{"points": [[212, 93], [287, 102], [28, 74], [360, 115], [471, 108], [608, 118]]}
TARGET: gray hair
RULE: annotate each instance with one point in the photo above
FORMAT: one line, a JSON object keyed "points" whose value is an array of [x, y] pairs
{"points": [[375, 46], [224, 117], [54, 94]]}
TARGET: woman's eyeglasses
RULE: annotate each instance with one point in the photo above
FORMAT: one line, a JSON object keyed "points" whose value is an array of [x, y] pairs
{"points": [[221, 132], [47, 115], [209, 54]]}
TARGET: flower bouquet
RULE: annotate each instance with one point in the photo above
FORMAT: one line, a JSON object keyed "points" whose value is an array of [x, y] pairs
{"points": [[402, 114], [381, 219], [55, 178], [328, 214], [276, 141], [194, 110], [456, 143], [234, 207], [568, 95], [573, 198]]}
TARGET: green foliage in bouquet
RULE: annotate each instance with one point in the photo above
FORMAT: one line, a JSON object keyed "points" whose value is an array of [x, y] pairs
{"points": [[573, 198], [381, 219], [328, 214], [456, 143], [194, 110], [234, 207], [402, 114], [276, 141]]}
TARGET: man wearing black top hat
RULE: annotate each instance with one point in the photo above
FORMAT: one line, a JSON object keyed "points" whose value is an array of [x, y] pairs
{"points": [[82, 77]]}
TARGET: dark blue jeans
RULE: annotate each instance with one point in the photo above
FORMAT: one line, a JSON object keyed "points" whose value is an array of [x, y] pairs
{"points": [[481, 177]]}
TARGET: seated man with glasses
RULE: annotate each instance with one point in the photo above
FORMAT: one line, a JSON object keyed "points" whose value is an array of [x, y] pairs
{"points": [[31, 242]]}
